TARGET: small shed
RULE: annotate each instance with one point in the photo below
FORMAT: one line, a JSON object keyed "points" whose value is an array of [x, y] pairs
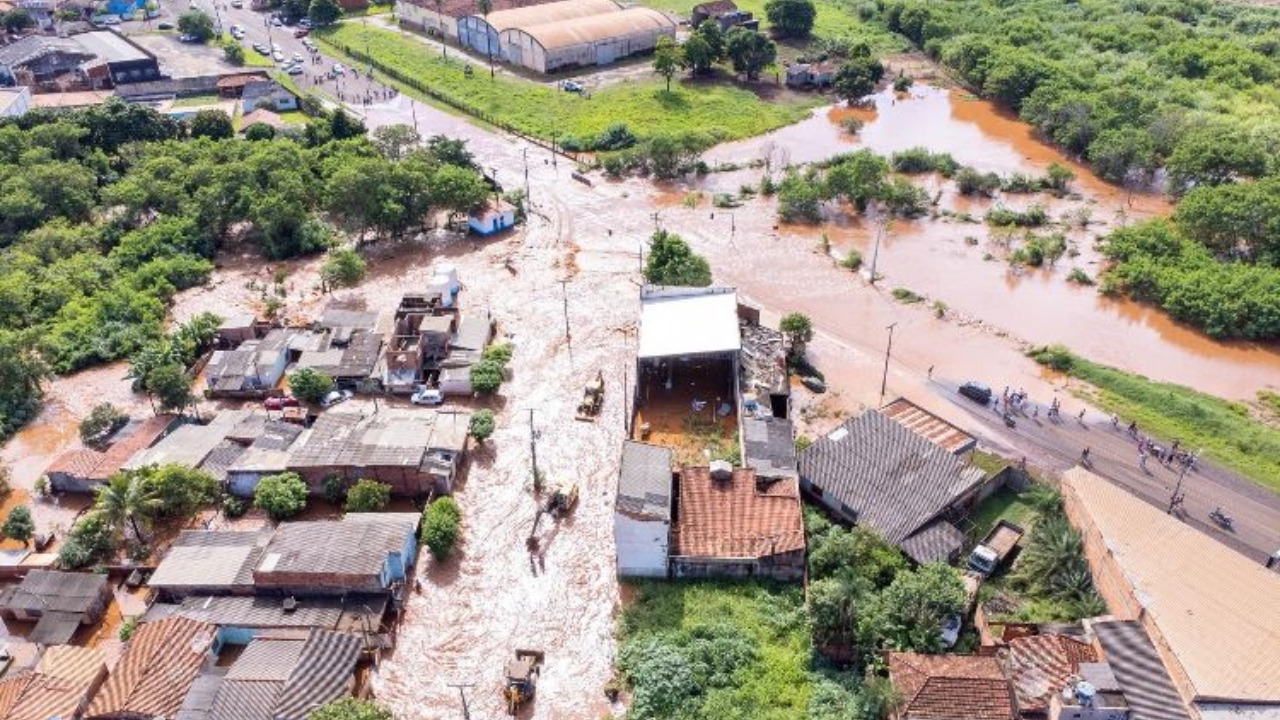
{"points": [[642, 515], [494, 217], [79, 597]]}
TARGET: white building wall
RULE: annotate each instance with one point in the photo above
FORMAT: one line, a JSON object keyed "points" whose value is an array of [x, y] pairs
{"points": [[427, 19], [15, 102], [642, 546]]}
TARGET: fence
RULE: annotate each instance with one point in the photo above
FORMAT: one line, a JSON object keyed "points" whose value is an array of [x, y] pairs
{"points": [[450, 100]]}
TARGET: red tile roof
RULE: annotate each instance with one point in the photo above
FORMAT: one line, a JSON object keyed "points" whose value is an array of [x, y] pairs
{"points": [[240, 80], [736, 518], [156, 671], [948, 687], [1040, 665], [77, 463], [98, 466]]}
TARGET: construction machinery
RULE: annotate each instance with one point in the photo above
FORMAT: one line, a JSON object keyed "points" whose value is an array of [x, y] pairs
{"points": [[561, 501], [522, 678], [592, 399]]}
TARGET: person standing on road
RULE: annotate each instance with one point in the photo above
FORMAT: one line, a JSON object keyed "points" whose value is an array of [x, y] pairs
{"points": [[1084, 456], [1142, 459]]}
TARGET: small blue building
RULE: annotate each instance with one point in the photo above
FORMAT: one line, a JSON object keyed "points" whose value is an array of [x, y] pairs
{"points": [[494, 217]]}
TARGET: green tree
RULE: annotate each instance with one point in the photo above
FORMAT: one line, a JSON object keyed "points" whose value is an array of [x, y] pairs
{"points": [[234, 52], [212, 124], [179, 490], [367, 496], [486, 377], [791, 18], [859, 178], [343, 268], [280, 496], [698, 55], [749, 51], [441, 527], [342, 125], [667, 58], [673, 262], [90, 539], [1058, 177], [858, 551], [126, 498], [21, 373], [1212, 156], [395, 141], [835, 605], [171, 385], [1124, 156], [197, 24], [798, 329], [19, 525], [1233, 219], [259, 131], [310, 385], [103, 420], [481, 425], [324, 12], [710, 33], [458, 189], [857, 78], [799, 199], [17, 20], [349, 708], [908, 615]]}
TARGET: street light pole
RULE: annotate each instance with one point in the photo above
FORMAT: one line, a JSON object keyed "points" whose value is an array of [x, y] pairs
{"points": [[884, 376], [875, 253], [524, 153]]}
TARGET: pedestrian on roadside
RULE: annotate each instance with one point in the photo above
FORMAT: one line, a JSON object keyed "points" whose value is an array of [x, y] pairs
{"points": [[1142, 459], [1115, 422], [1080, 417], [1084, 456], [930, 374]]}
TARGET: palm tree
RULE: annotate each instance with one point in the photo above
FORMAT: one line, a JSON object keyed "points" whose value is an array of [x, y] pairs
{"points": [[444, 47], [1054, 550], [485, 7], [125, 498]]}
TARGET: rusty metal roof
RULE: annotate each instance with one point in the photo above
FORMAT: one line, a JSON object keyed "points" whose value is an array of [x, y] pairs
{"points": [[158, 667], [929, 426]]}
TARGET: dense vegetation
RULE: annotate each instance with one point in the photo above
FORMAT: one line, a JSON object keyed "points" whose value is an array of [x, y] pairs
{"points": [[1223, 429], [106, 213], [672, 262], [1136, 86], [441, 526]]}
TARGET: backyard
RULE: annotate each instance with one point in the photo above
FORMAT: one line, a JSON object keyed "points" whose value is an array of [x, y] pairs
{"points": [[724, 111]]}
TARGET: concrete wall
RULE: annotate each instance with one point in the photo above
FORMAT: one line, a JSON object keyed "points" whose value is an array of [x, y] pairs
{"points": [[427, 20], [642, 546]]}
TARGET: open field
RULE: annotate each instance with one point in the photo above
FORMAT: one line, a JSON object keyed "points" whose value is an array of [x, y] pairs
{"points": [[1222, 428], [729, 112], [835, 18]]}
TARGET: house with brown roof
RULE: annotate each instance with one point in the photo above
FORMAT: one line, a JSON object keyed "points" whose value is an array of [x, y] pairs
{"points": [[1211, 614], [1040, 666], [949, 687], [60, 686], [729, 523], [156, 671], [82, 470]]}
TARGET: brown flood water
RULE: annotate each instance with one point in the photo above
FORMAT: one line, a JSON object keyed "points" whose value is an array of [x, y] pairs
{"points": [[933, 258]]}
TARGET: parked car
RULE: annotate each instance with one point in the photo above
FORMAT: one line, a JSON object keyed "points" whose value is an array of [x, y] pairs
{"points": [[294, 69], [237, 3], [572, 86], [280, 403], [106, 20], [338, 69], [187, 38], [261, 49], [976, 392], [277, 56], [336, 396], [276, 22], [301, 32], [427, 396], [305, 22], [164, 26]]}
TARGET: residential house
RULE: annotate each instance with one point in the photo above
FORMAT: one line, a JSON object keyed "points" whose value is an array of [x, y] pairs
{"points": [[270, 453], [642, 512], [929, 426], [190, 444], [414, 451], [236, 328], [253, 368], [60, 602], [60, 687], [268, 94], [37, 58], [769, 447], [279, 677], [466, 347], [361, 553], [261, 116], [348, 359], [79, 471], [419, 337], [874, 471], [1040, 666], [14, 102], [239, 619], [231, 87], [155, 673], [1158, 571], [494, 217], [725, 13], [729, 523], [204, 562], [123, 60], [811, 75], [949, 687]]}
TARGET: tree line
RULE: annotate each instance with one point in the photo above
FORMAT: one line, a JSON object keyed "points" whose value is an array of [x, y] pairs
{"points": [[106, 213]]}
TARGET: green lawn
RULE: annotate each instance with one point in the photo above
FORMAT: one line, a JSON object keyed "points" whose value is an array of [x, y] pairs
{"points": [[1223, 429], [777, 684], [728, 111], [835, 18], [196, 100], [1004, 504]]}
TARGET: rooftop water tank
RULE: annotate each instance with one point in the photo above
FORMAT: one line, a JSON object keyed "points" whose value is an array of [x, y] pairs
{"points": [[449, 271], [440, 284]]}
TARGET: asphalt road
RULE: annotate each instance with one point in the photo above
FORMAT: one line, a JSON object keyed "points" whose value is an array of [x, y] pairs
{"points": [[1057, 445]]}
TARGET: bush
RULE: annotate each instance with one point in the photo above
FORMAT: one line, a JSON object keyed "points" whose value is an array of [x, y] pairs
{"points": [[1034, 216], [334, 488], [499, 352], [1057, 357], [233, 507], [482, 425], [1079, 277], [906, 296], [922, 160], [259, 131], [972, 182], [234, 52], [309, 385], [89, 540], [343, 268], [280, 496], [672, 262], [368, 496], [179, 490], [799, 199], [349, 708], [103, 420], [441, 526], [127, 629], [19, 525], [486, 377]]}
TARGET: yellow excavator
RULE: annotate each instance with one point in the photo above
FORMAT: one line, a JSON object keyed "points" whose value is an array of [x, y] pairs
{"points": [[560, 502], [592, 399], [522, 678]]}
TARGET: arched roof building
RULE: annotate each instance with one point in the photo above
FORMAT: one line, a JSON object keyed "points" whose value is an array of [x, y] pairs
{"points": [[483, 34], [596, 39]]}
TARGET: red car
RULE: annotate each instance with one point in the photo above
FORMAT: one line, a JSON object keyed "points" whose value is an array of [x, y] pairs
{"points": [[301, 32], [280, 403]]}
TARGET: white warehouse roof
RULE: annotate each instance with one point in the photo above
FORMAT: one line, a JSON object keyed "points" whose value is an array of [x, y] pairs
{"points": [[595, 28], [688, 321]]}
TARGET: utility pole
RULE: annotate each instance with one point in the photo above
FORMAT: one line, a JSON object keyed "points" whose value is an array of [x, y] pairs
{"points": [[568, 337], [528, 197], [884, 376], [462, 693], [533, 449], [875, 254]]}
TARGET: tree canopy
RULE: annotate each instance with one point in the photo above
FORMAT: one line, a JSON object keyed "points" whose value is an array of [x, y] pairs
{"points": [[791, 18], [672, 262], [197, 24], [750, 51], [280, 496]]}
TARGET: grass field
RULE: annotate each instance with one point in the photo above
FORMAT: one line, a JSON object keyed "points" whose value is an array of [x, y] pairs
{"points": [[835, 18], [535, 109], [1004, 504], [196, 100], [778, 683], [1224, 429]]}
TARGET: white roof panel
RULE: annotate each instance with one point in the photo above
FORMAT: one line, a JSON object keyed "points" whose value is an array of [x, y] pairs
{"points": [[688, 321]]}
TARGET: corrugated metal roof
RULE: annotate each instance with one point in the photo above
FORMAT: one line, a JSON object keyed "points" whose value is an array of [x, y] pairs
{"points": [[198, 704], [547, 12], [55, 628], [358, 544], [156, 671], [268, 612], [893, 480], [474, 331], [736, 518], [1218, 611], [644, 483], [770, 447], [929, 426], [937, 541], [52, 590], [267, 659], [188, 445], [390, 438], [596, 28], [1137, 667], [245, 700], [202, 558], [323, 673]]}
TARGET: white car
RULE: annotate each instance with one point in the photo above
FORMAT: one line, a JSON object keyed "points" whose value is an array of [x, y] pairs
{"points": [[427, 396], [338, 69], [277, 56], [297, 58], [294, 70], [336, 396]]}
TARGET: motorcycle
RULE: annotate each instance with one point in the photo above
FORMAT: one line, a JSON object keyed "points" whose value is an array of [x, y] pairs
{"points": [[1224, 520]]}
